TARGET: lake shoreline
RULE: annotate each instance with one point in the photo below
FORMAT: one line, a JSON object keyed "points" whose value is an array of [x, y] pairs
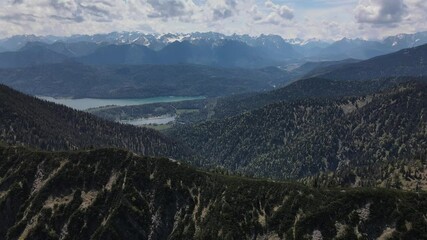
{"points": [[85, 104]]}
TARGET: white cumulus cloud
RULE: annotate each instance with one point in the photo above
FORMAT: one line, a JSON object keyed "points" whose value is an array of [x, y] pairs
{"points": [[381, 11]]}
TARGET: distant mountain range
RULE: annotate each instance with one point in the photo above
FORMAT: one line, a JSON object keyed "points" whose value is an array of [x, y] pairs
{"points": [[205, 48], [154, 41], [228, 53]]}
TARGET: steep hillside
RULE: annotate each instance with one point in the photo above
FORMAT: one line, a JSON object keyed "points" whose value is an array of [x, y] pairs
{"points": [[113, 194], [28, 121], [302, 89], [406, 62], [77, 80], [305, 137], [310, 68]]}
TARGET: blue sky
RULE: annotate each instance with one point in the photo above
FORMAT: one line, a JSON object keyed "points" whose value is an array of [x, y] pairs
{"points": [[322, 19]]}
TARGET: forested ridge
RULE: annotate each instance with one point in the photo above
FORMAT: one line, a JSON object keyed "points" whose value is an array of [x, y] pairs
{"points": [[303, 138], [301, 89], [114, 194], [36, 123]]}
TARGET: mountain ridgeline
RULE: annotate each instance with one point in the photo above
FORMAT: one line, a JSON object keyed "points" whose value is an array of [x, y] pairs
{"points": [[114, 194], [226, 53], [306, 137], [32, 122]]}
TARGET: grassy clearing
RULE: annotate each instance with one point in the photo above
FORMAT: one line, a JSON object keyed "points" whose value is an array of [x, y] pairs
{"points": [[183, 110]]}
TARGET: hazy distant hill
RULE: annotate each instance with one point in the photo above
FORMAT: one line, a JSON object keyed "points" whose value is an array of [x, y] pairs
{"points": [[113, 194], [310, 69], [36, 55], [406, 62], [70, 50], [353, 48], [16, 42], [28, 121], [77, 80], [304, 137]]}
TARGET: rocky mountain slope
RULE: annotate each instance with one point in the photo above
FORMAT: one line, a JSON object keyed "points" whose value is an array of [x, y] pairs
{"points": [[113, 194]]}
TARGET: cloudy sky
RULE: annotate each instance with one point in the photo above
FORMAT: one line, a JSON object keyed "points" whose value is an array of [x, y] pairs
{"points": [[323, 19]]}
